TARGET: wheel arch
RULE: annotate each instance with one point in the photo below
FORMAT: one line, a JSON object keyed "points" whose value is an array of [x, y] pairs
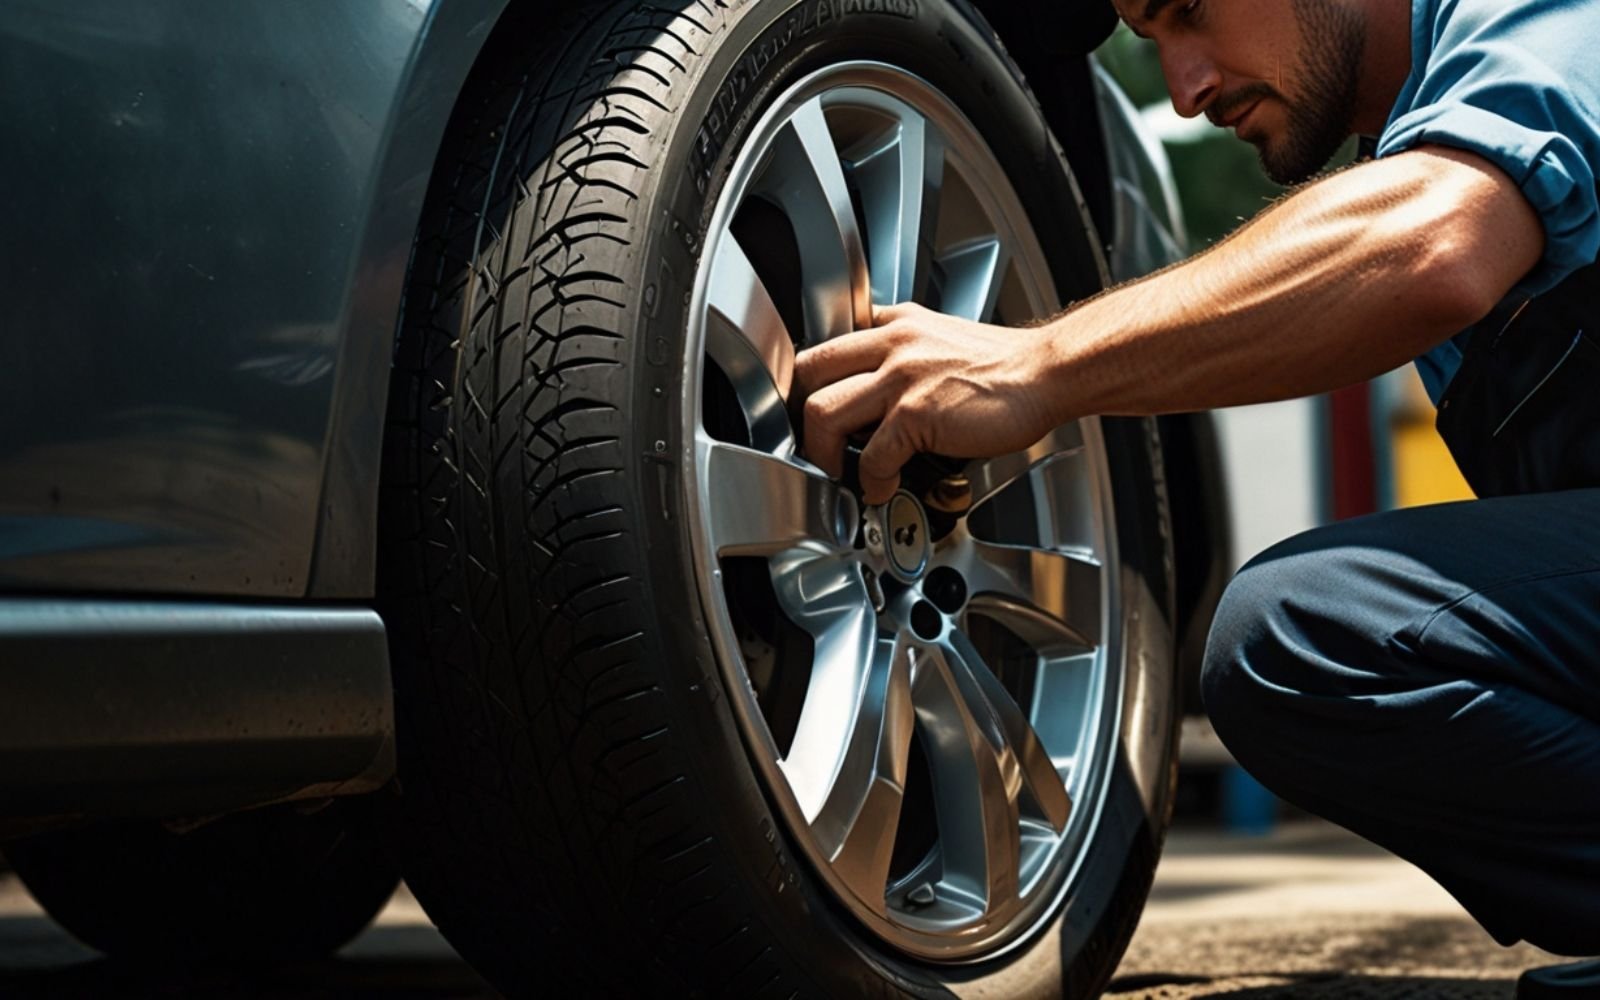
{"points": [[1049, 42], [448, 49], [443, 56], [451, 45]]}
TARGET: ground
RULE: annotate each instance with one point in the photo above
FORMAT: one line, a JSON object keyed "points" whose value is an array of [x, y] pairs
{"points": [[1307, 912]]}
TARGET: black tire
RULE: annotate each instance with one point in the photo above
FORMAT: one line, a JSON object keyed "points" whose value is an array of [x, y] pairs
{"points": [[278, 885], [580, 816]]}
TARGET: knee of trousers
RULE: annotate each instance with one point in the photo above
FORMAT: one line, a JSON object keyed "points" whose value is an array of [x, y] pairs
{"points": [[1257, 663]]}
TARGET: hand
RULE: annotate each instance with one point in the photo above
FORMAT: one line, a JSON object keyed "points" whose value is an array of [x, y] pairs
{"points": [[932, 383]]}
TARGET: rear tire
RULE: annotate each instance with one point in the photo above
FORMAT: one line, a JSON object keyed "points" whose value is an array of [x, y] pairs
{"points": [[277, 885], [580, 810]]}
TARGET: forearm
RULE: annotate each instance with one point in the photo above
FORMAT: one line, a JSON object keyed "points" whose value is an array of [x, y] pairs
{"points": [[1345, 280]]}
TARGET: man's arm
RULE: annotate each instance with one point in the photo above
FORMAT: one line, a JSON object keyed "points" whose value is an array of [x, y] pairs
{"points": [[1344, 280]]}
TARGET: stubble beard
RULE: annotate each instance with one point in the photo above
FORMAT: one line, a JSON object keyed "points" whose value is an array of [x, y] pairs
{"points": [[1333, 39]]}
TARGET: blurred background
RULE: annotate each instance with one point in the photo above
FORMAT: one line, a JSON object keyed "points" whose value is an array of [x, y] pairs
{"points": [[1292, 465]]}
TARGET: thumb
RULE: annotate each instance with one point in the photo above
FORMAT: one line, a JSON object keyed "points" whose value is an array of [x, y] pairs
{"points": [[881, 461]]}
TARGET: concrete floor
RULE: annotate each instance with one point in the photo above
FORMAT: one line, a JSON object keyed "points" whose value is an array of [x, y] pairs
{"points": [[1310, 911], [1307, 912]]}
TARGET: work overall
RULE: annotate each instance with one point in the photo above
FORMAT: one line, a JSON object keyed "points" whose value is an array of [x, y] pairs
{"points": [[1430, 677]]}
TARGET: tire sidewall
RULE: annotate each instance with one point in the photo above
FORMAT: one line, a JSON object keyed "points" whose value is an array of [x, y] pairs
{"points": [[765, 49]]}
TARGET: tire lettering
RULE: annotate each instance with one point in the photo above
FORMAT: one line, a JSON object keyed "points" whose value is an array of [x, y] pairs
{"points": [[807, 18]]}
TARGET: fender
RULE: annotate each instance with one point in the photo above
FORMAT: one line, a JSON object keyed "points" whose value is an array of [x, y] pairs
{"points": [[346, 544]]}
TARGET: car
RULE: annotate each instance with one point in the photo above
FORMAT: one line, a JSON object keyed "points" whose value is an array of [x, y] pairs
{"points": [[402, 476]]}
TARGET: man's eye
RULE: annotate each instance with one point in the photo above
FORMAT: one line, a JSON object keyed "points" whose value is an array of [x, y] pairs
{"points": [[1190, 10]]}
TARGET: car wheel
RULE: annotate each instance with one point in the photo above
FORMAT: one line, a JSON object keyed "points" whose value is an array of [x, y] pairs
{"points": [[677, 715], [281, 884]]}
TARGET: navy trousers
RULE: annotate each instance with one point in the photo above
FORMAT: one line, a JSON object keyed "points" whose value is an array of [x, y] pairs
{"points": [[1430, 679]]}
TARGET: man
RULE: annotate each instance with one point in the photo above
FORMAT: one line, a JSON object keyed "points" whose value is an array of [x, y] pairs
{"points": [[1429, 678]]}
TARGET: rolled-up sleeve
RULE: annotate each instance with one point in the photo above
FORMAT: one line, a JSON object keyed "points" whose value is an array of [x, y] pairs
{"points": [[1516, 83]]}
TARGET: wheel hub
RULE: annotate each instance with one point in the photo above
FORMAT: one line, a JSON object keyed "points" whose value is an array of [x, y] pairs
{"points": [[905, 537]]}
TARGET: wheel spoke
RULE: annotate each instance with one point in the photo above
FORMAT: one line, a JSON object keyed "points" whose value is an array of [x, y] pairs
{"points": [[806, 179], [991, 475], [1064, 586], [1040, 630], [1064, 672], [858, 821], [762, 504], [750, 343], [973, 275], [900, 185], [828, 599], [977, 783], [1061, 702], [1038, 770]]}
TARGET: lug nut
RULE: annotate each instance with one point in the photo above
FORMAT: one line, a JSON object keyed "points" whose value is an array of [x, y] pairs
{"points": [[950, 496]]}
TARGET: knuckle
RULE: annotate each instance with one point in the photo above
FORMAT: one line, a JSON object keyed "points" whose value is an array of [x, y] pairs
{"points": [[818, 413], [900, 374]]}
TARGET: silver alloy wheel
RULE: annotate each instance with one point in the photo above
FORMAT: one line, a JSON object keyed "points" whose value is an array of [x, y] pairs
{"points": [[961, 658]]}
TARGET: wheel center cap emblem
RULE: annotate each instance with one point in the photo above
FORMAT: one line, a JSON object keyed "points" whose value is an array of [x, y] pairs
{"points": [[908, 536]]}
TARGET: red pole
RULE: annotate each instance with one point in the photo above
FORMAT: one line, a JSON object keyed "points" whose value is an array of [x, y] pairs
{"points": [[1352, 463]]}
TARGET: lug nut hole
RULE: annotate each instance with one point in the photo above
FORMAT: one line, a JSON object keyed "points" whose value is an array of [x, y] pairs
{"points": [[946, 589], [925, 621]]}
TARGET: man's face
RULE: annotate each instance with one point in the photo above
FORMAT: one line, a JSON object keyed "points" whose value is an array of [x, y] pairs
{"points": [[1282, 73]]}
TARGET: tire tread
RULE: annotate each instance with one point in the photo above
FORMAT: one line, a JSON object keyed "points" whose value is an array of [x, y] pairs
{"points": [[504, 492]]}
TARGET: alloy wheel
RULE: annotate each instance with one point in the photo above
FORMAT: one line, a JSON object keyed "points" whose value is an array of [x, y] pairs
{"points": [[929, 688]]}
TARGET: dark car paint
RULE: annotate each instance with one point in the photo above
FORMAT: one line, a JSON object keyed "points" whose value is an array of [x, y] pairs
{"points": [[210, 210]]}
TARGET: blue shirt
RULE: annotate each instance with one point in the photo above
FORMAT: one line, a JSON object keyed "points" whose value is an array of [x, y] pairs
{"points": [[1518, 83]]}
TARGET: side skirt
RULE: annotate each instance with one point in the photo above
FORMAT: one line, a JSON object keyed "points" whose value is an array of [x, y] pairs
{"points": [[114, 709]]}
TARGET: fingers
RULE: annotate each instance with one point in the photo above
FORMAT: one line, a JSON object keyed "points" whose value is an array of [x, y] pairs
{"points": [[838, 359], [884, 315], [882, 459], [854, 353], [845, 391], [834, 413]]}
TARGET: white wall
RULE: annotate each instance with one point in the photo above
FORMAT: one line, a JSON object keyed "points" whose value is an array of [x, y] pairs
{"points": [[1270, 457]]}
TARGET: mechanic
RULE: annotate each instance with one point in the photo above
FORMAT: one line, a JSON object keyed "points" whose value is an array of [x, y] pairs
{"points": [[1429, 678]]}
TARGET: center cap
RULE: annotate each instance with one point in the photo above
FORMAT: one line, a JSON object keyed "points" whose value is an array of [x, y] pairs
{"points": [[908, 536]]}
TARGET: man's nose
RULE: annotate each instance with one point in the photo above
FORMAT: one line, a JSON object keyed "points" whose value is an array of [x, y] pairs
{"points": [[1192, 79]]}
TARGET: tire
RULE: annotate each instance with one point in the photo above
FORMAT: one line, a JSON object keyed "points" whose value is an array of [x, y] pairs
{"points": [[586, 805], [270, 886]]}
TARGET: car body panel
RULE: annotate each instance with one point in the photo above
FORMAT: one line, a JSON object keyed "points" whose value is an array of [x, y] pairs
{"points": [[206, 285], [1148, 230]]}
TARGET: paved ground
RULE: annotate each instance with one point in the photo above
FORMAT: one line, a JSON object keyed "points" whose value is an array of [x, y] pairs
{"points": [[1309, 912]]}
